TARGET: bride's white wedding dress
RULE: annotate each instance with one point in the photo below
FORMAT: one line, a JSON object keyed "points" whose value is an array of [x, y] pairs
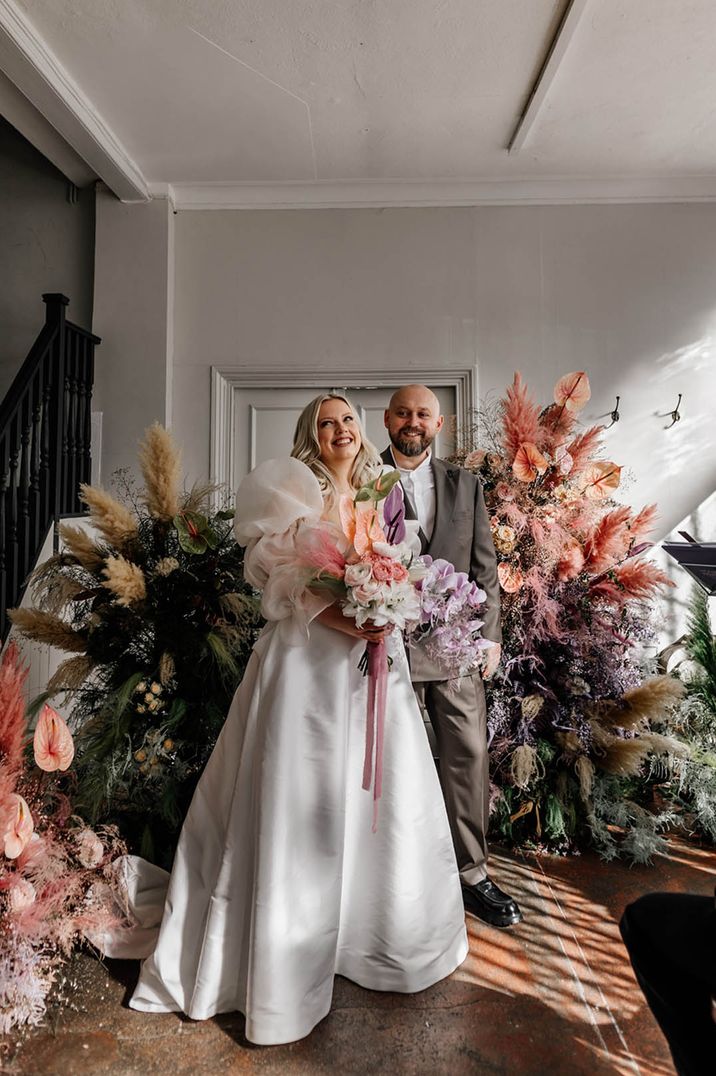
{"points": [[278, 882]]}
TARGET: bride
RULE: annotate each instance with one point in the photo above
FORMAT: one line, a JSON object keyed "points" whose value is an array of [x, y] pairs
{"points": [[279, 882]]}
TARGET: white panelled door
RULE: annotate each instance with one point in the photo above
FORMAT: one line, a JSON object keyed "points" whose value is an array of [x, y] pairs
{"points": [[264, 419]]}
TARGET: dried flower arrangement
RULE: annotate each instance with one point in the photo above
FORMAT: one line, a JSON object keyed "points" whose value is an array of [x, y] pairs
{"points": [[159, 624], [570, 718], [55, 871], [690, 786]]}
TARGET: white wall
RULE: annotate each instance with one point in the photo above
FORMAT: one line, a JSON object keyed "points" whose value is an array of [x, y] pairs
{"points": [[626, 292], [133, 313]]}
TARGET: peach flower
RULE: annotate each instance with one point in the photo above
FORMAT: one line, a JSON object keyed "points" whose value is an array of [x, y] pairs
{"points": [[511, 578], [17, 826], [53, 746]]}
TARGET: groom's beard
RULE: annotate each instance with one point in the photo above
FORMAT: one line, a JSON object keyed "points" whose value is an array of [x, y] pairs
{"points": [[411, 446]]}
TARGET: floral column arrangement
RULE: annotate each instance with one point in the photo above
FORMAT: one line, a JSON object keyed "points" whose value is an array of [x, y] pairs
{"points": [[571, 715], [154, 611]]}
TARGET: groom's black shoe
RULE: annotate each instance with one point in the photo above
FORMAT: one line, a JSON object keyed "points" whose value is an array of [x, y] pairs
{"points": [[488, 902]]}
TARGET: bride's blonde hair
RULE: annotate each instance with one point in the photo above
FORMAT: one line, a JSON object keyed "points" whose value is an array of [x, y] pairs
{"points": [[306, 448]]}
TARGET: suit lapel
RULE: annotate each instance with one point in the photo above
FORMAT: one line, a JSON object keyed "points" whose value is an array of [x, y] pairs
{"points": [[446, 480]]}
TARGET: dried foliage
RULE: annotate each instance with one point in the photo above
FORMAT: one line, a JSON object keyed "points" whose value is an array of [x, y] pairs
{"points": [[160, 461], [49, 629], [81, 545], [113, 520]]}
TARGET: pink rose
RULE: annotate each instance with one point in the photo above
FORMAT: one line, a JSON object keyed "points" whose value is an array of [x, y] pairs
{"points": [[504, 491], [475, 459], [383, 569], [400, 573]]}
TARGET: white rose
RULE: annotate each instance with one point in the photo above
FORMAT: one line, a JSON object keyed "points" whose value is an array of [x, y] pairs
{"points": [[21, 895], [356, 574], [366, 592], [90, 849]]}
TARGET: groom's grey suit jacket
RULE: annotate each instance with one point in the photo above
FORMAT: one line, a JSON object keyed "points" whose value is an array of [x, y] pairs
{"points": [[461, 534]]}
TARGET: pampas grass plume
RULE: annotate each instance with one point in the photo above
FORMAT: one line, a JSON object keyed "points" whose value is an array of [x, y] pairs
{"points": [[49, 629], [583, 449], [609, 541], [81, 546], [520, 418], [625, 757], [649, 702], [13, 675], [111, 518], [70, 675], [125, 580], [160, 461]]}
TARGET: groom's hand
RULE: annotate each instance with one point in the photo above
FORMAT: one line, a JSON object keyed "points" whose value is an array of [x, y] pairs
{"points": [[492, 660]]}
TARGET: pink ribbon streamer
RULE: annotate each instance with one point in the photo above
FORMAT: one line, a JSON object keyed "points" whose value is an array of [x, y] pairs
{"points": [[375, 723]]}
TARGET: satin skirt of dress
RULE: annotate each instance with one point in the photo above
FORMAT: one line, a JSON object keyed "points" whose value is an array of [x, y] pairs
{"points": [[279, 882]]}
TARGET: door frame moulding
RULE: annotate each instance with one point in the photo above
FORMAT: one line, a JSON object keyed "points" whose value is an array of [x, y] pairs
{"points": [[226, 381]]}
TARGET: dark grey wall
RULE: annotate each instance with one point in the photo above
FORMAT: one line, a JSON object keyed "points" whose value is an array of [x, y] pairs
{"points": [[46, 244]]}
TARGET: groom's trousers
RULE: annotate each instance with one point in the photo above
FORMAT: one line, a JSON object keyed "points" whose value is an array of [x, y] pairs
{"points": [[458, 715]]}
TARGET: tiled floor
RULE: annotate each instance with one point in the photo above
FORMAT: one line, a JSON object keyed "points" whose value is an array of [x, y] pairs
{"points": [[553, 996]]}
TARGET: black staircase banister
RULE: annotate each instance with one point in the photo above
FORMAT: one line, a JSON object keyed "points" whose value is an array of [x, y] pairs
{"points": [[84, 333], [25, 374], [45, 428]]}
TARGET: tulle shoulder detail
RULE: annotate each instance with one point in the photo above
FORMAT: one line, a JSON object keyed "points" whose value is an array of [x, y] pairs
{"points": [[273, 496]]}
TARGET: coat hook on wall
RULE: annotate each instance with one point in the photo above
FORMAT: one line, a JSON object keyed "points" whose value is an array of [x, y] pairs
{"points": [[673, 415], [614, 415]]}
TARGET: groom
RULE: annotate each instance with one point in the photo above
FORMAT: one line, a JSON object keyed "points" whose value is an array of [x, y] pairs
{"points": [[450, 508]]}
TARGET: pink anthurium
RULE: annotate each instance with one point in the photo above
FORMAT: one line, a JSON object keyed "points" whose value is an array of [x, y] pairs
{"points": [[53, 746], [572, 391], [17, 826], [528, 462]]}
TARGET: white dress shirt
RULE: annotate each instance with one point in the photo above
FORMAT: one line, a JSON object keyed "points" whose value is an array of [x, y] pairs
{"points": [[419, 485]]}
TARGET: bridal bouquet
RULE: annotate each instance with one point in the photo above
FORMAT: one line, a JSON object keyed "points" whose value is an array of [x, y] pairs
{"points": [[373, 567]]}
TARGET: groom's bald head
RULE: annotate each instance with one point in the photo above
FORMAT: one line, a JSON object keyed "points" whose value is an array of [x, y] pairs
{"points": [[413, 419], [415, 395]]}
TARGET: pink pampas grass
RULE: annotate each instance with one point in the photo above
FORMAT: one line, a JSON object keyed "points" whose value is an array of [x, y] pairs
{"points": [[520, 418]]}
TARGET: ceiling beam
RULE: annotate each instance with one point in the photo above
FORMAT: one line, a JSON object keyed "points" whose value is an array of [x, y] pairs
{"points": [[545, 78], [37, 72], [25, 118]]}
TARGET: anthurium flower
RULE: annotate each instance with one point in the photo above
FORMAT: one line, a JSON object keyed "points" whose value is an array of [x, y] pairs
{"points": [[368, 530], [379, 488], [17, 827], [601, 480], [511, 578], [528, 463], [360, 523], [53, 745], [195, 533], [572, 391]]}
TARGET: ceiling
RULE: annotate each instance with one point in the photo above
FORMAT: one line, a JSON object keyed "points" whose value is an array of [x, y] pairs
{"points": [[315, 102]]}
